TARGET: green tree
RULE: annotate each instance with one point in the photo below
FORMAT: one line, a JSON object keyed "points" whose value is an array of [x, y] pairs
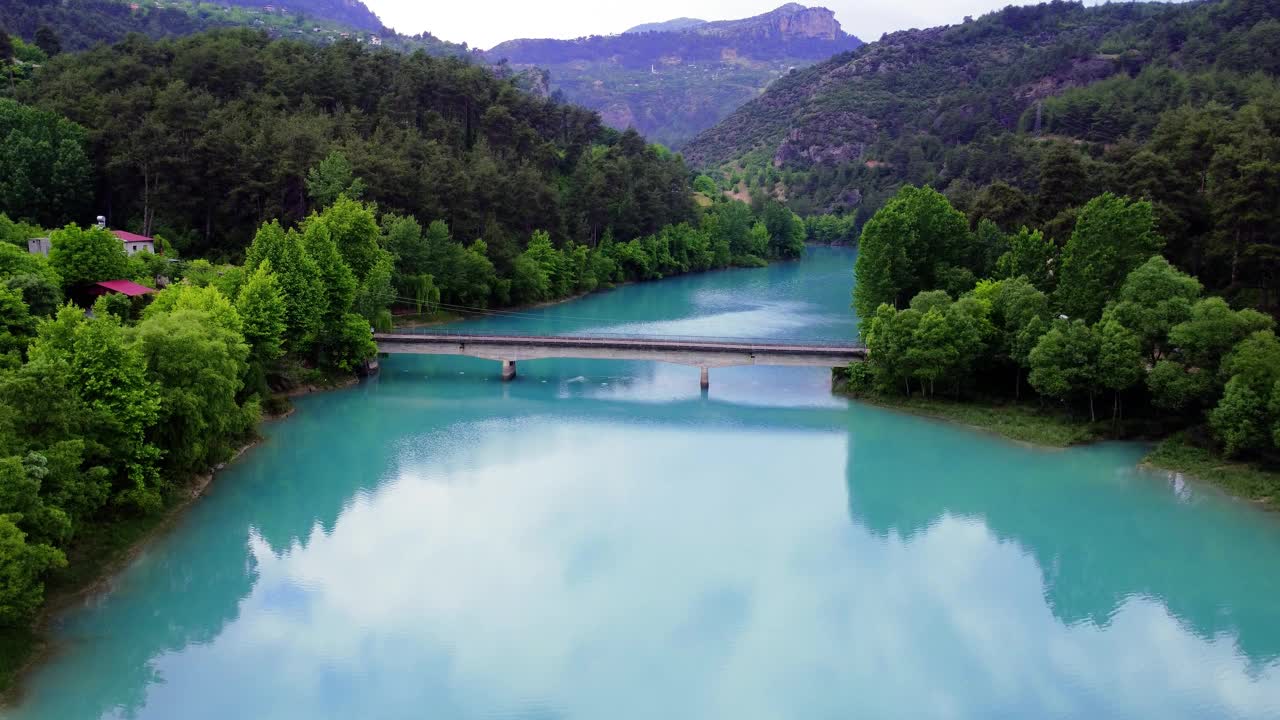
{"points": [[45, 174], [47, 40], [262, 309], [1063, 181], [1190, 378], [119, 402], [903, 247], [352, 344], [1120, 361], [83, 257], [1005, 206], [1064, 363], [1113, 236], [305, 294], [1030, 255], [333, 178], [890, 337], [198, 365], [1154, 298], [22, 568], [17, 326]]}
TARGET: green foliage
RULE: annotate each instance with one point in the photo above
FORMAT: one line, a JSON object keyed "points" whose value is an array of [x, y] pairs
{"points": [[44, 165], [262, 310], [22, 566], [351, 345], [197, 363], [1113, 236], [1189, 379], [214, 133], [1065, 362], [830, 229], [17, 233], [118, 402], [1154, 298], [305, 293], [17, 326], [82, 257], [1030, 255], [905, 246], [333, 178]]}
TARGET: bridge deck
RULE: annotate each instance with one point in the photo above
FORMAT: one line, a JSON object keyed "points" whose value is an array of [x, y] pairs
{"points": [[644, 343], [704, 353]]}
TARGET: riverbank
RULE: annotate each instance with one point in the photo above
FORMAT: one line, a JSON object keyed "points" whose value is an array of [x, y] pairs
{"points": [[103, 548], [1033, 425]]}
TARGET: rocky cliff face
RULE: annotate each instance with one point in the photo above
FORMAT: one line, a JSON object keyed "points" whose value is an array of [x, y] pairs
{"points": [[671, 80], [789, 22]]}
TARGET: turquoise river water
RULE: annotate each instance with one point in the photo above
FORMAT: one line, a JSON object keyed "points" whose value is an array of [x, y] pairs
{"points": [[601, 540]]}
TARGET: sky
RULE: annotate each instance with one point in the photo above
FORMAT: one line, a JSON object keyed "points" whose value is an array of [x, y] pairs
{"points": [[485, 24]]}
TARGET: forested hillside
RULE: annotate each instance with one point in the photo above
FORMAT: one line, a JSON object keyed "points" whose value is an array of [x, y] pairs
{"points": [[673, 80], [1175, 103], [80, 24], [204, 138]]}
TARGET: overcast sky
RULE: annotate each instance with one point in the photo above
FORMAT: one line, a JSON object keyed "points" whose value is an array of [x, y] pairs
{"points": [[486, 23]]}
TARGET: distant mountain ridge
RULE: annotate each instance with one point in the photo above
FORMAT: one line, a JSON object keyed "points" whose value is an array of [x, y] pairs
{"points": [[673, 79], [675, 25]]}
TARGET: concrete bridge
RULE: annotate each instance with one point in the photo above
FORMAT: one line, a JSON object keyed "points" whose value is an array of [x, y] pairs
{"points": [[702, 353]]}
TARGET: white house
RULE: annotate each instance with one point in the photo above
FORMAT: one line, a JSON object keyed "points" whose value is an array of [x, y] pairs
{"points": [[133, 244]]}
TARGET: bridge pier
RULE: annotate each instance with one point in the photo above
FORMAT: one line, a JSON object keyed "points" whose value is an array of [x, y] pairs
{"points": [[706, 379], [508, 370]]}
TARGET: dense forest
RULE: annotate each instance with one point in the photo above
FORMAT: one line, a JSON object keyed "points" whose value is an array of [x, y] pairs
{"points": [[1103, 325], [1035, 110]]}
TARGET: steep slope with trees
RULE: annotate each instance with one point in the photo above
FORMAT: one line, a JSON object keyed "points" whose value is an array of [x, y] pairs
{"points": [[204, 138], [1176, 103]]}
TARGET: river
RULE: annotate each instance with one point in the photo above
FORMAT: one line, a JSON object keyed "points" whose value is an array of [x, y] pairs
{"points": [[601, 540]]}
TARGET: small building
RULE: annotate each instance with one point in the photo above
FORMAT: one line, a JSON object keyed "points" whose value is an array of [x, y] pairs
{"points": [[127, 288], [375, 40], [134, 244], [39, 246]]}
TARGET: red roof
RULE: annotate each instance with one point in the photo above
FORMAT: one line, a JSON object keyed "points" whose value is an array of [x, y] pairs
{"points": [[125, 287], [130, 237]]}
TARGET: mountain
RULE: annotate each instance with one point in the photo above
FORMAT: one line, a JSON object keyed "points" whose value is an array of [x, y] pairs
{"points": [[1023, 115], [919, 105], [669, 26], [672, 80], [80, 24]]}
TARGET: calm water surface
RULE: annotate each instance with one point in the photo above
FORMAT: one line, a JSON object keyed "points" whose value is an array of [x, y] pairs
{"points": [[599, 540]]}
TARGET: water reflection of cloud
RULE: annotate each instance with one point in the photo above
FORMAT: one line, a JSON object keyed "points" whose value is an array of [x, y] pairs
{"points": [[572, 575], [764, 321]]}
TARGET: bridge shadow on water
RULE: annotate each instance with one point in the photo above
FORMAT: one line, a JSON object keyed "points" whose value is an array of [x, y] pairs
{"points": [[1098, 542]]}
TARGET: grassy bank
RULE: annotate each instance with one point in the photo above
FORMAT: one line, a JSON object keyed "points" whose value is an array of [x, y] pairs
{"points": [[1032, 424], [1251, 481], [1022, 423]]}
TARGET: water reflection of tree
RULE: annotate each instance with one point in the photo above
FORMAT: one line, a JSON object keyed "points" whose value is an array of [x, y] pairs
{"points": [[1098, 541]]}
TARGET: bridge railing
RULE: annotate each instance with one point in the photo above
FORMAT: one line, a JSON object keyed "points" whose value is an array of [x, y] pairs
{"points": [[656, 337]]}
